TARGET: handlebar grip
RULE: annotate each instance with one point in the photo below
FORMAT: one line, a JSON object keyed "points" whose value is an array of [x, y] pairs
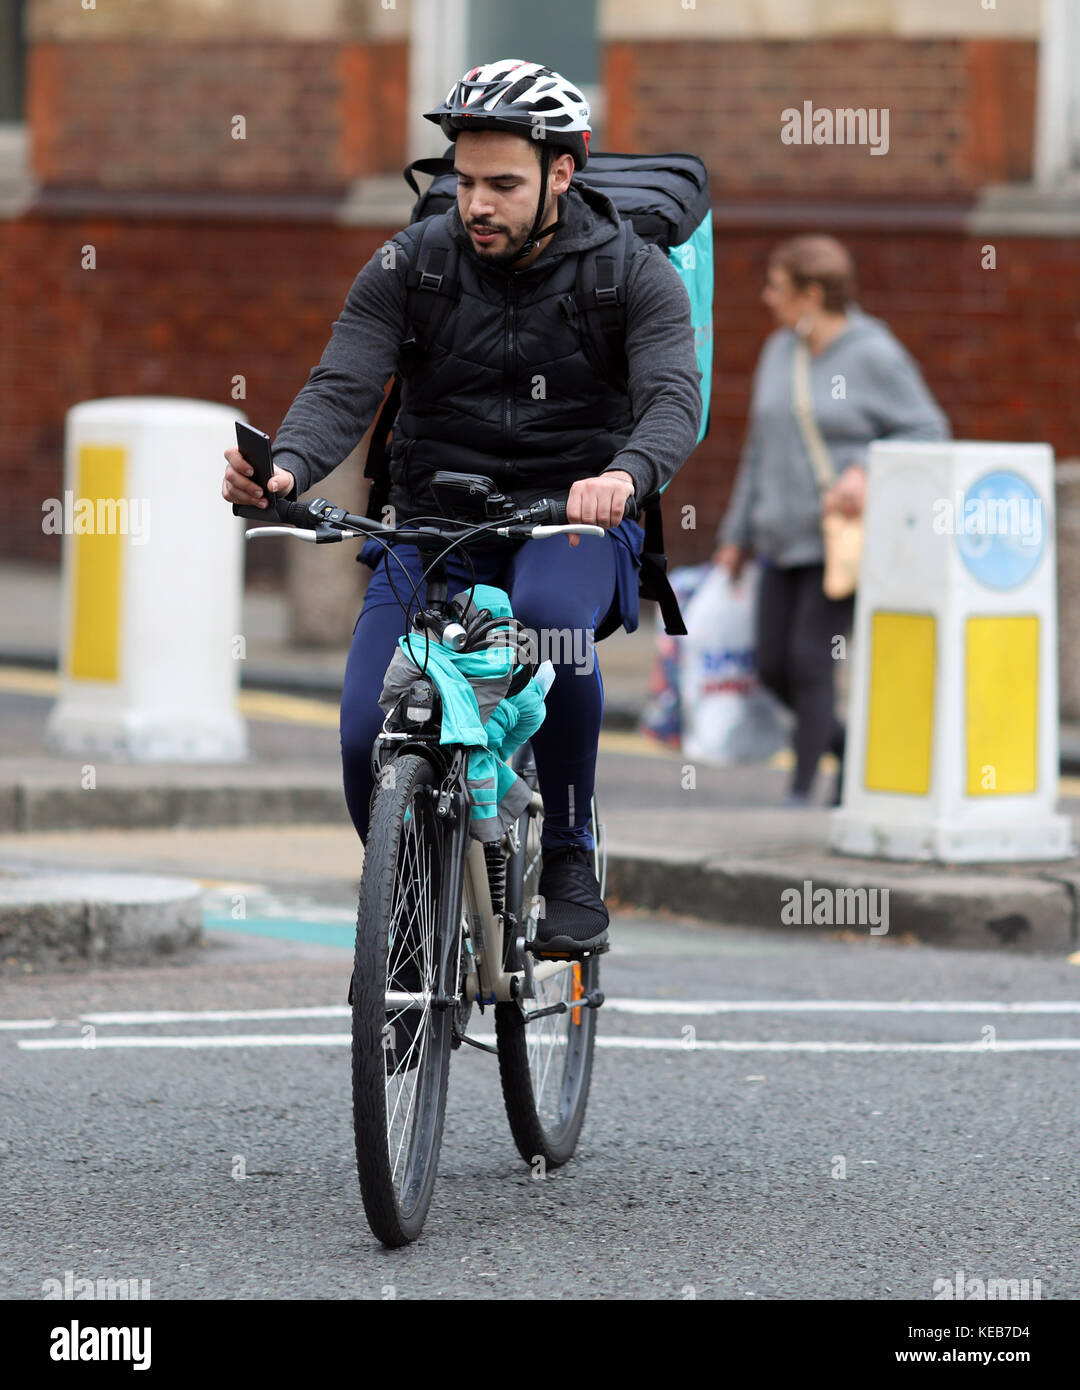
{"points": [[557, 510], [295, 514]]}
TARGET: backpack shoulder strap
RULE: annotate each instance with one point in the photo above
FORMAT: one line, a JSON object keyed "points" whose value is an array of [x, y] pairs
{"points": [[600, 299], [432, 288], [432, 283]]}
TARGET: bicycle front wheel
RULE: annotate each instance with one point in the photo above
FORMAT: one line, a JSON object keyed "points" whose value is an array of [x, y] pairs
{"points": [[545, 1062], [400, 1042]]}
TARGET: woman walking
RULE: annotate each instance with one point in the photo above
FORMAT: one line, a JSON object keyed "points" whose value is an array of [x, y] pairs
{"points": [[830, 380]]}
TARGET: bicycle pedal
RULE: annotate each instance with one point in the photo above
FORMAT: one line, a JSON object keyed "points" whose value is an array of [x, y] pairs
{"points": [[541, 953]]}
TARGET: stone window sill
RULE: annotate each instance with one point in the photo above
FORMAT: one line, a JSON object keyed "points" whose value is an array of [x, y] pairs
{"points": [[1027, 210]]}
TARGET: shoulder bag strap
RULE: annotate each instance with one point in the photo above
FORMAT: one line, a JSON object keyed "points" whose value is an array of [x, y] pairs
{"points": [[803, 405]]}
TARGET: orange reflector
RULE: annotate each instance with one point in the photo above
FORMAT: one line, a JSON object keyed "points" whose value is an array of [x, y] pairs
{"points": [[575, 993]]}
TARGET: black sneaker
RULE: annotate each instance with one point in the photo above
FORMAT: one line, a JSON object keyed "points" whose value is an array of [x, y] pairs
{"points": [[575, 920]]}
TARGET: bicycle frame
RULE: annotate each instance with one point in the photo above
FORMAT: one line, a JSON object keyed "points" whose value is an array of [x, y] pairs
{"points": [[464, 878], [467, 918]]}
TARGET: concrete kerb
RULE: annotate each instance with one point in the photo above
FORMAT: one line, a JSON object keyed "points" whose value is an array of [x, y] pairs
{"points": [[79, 919], [131, 797], [1018, 907], [1030, 907]]}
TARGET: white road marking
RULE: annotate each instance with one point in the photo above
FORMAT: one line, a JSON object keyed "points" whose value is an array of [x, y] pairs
{"points": [[215, 1015], [709, 1045], [841, 1006], [624, 1006], [194, 1041]]}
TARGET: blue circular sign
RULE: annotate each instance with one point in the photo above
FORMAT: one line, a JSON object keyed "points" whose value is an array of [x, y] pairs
{"points": [[1001, 529]]}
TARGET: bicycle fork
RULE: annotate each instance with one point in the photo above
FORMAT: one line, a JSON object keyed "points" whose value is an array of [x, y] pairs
{"points": [[452, 809]]}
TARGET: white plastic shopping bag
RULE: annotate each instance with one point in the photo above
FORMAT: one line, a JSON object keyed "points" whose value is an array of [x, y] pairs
{"points": [[727, 717], [661, 718]]}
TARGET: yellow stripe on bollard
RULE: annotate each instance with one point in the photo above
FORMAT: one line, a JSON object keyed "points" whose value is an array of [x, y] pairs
{"points": [[900, 719], [1002, 705], [97, 567]]}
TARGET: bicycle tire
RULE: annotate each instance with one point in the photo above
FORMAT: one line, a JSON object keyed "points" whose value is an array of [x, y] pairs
{"points": [[400, 1063], [545, 1120]]}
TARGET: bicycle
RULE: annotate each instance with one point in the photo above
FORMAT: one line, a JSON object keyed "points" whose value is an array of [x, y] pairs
{"points": [[444, 922]]}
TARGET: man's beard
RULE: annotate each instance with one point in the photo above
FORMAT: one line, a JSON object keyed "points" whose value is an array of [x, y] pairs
{"points": [[509, 255], [516, 239]]}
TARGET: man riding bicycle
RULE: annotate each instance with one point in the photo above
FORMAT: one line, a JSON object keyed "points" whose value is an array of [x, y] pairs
{"points": [[504, 389]]}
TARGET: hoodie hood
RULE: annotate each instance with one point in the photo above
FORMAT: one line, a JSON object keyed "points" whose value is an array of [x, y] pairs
{"points": [[589, 219]]}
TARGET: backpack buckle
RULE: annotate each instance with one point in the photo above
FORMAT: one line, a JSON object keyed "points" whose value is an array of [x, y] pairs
{"points": [[429, 281], [608, 294]]}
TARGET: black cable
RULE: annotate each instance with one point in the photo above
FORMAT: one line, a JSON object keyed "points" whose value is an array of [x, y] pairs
{"points": [[456, 542], [406, 605]]}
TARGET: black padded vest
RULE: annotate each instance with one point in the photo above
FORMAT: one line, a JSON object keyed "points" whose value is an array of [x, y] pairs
{"points": [[504, 387]]}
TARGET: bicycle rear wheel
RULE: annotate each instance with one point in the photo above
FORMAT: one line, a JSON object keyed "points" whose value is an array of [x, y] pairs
{"points": [[545, 1064], [400, 1042]]}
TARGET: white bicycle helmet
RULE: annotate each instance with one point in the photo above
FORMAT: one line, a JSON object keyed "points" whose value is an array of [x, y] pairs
{"points": [[524, 98]]}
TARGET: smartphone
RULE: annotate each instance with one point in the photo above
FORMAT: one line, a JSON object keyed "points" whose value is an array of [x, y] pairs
{"points": [[255, 448]]}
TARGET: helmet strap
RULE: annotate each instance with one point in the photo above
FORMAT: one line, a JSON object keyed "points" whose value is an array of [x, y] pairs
{"points": [[536, 235]]}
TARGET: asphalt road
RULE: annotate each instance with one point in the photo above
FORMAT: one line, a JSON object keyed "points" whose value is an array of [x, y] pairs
{"points": [[768, 1152], [721, 1157]]}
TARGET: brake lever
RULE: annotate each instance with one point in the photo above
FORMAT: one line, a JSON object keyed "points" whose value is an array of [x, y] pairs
{"points": [[321, 535], [542, 532]]}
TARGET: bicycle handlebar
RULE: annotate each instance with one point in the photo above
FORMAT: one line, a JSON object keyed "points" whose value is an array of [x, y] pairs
{"points": [[310, 516]]}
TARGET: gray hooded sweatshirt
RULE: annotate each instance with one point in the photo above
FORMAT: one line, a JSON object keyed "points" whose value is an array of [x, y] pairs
{"points": [[333, 411], [865, 386]]}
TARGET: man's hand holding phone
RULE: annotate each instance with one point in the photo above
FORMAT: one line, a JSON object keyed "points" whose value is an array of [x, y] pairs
{"points": [[252, 473], [241, 487]]}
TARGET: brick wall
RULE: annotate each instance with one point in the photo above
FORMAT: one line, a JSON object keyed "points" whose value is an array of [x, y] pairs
{"points": [[123, 114], [177, 307], [997, 347], [173, 308], [961, 112]]}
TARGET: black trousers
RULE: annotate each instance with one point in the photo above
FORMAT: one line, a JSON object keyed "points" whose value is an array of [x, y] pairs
{"points": [[797, 652]]}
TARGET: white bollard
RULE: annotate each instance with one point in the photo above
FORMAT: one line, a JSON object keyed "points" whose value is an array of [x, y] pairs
{"points": [[152, 583], [952, 743]]}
